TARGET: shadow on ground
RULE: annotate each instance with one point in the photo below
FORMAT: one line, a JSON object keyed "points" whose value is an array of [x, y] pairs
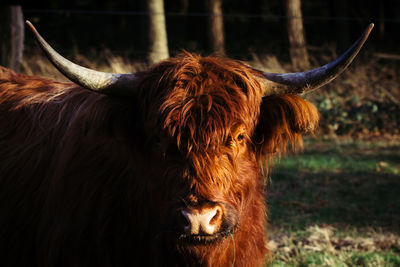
{"points": [[341, 198]]}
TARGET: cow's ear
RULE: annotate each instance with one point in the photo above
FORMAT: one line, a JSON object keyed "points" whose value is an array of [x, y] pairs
{"points": [[283, 120]]}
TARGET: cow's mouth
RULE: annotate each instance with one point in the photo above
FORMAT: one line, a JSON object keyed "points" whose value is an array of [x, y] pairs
{"points": [[204, 238]]}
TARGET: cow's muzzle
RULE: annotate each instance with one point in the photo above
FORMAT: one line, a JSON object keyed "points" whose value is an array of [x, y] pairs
{"points": [[204, 223]]}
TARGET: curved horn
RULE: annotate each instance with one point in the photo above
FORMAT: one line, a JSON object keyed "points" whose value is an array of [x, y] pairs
{"points": [[107, 83], [303, 82]]}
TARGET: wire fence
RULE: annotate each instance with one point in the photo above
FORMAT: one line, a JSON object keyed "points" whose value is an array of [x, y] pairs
{"points": [[242, 49], [202, 14]]}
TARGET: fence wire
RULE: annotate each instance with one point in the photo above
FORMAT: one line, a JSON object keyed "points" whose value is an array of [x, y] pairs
{"points": [[202, 14]]}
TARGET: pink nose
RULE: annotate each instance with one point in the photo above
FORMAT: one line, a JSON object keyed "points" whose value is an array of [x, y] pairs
{"points": [[203, 220]]}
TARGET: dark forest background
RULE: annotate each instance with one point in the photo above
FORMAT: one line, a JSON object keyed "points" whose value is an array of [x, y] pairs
{"points": [[250, 26]]}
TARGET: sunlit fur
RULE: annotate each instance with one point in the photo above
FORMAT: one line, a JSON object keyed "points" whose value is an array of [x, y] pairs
{"points": [[90, 180]]}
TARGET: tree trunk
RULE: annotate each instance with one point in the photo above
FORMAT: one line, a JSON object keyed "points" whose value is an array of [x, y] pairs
{"points": [[342, 26], [298, 51], [11, 37], [215, 27], [158, 42]]}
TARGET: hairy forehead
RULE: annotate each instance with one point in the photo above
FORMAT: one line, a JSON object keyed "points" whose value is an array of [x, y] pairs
{"points": [[198, 101], [198, 75], [201, 100]]}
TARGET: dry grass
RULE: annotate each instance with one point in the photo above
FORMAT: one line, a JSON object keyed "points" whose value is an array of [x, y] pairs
{"points": [[324, 245], [326, 238]]}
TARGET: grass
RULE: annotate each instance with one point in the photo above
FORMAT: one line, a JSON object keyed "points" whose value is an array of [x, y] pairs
{"points": [[372, 259], [346, 157], [336, 163], [328, 246], [337, 204]]}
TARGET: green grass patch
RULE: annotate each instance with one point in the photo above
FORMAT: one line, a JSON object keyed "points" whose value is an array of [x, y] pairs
{"points": [[336, 204], [345, 157], [336, 163]]}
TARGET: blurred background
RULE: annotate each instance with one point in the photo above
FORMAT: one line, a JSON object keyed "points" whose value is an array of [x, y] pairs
{"points": [[335, 204]]}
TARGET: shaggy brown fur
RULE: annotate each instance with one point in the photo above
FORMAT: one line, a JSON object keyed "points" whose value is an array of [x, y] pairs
{"points": [[90, 180]]}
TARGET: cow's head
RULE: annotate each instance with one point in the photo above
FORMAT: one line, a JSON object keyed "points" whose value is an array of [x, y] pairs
{"points": [[208, 123]]}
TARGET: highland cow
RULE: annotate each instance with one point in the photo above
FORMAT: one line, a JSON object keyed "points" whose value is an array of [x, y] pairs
{"points": [[158, 168]]}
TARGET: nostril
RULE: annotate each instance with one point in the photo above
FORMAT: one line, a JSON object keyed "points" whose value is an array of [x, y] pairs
{"points": [[217, 217], [183, 219]]}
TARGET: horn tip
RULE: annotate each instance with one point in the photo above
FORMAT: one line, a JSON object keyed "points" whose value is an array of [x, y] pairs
{"points": [[366, 33], [369, 28], [30, 25]]}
